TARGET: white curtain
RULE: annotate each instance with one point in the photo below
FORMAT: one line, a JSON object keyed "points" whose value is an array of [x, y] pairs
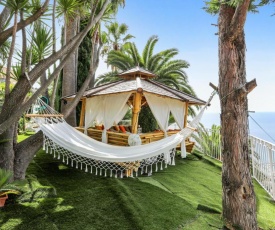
{"points": [[113, 105], [93, 110], [160, 110], [106, 109], [122, 113], [177, 108]]}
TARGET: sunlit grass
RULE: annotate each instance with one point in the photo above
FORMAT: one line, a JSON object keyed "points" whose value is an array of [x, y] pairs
{"points": [[185, 196]]}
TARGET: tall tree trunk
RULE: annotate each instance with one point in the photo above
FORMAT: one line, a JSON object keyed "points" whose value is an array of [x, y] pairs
{"points": [[24, 46], [69, 70], [5, 14], [55, 82], [24, 153], [43, 81], [239, 205], [95, 50], [7, 149]]}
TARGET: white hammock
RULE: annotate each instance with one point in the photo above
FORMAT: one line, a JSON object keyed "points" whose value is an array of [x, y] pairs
{"points": [[80, 150]]}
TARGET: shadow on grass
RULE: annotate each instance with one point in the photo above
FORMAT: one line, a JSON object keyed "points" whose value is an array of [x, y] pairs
{"points": [[185, 196], [85, 201]]}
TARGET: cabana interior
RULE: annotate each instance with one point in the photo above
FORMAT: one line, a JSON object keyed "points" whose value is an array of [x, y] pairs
{"points": [[103, 107]]}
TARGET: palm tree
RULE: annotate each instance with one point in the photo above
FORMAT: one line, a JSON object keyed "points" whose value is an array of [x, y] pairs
{"points": [[209, 140], [42, 43], [169, 72], [115, 40], [70, 10], [114, 33]]}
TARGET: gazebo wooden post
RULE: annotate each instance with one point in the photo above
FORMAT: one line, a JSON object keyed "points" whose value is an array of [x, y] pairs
{"points": [[82, 113], [136, 110], [186, 114]]}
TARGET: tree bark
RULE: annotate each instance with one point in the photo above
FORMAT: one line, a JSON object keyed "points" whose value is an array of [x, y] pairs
{"points": [[24, 153], [8, 73], [69, 72], [5, 14], [7, 149], [239, 204]]}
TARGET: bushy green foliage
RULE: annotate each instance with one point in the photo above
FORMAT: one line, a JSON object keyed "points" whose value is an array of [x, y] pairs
{"points": [[208, 140], [147, 120], [5, 186]]}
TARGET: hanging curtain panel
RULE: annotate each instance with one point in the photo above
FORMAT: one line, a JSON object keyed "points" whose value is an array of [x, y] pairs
{"points": [[122, 113], [105, 109], [93, 110], [177, 109], [113, 105], [160, 110]]}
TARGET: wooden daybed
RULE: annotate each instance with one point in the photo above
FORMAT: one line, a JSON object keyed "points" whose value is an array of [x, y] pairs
{"points": [[121, 139]]}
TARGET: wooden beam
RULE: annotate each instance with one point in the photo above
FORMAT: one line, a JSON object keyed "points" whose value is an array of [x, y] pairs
{"points": [[82, 113], [136, 110], [185, 115], [44, 115], [214, 87]]}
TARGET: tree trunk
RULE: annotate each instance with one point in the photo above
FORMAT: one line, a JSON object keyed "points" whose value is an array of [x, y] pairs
{"points": [[7, 149], [239, 205], [43, 81], [69, 70], [5, 14], [24, 153], [8, 73], [16, 157]]}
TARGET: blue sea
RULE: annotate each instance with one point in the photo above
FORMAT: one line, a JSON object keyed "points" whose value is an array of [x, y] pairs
{"points": [[261, 124]]}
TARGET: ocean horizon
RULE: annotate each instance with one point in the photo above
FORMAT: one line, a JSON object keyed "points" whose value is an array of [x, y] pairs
{"points": [[261, 124]]}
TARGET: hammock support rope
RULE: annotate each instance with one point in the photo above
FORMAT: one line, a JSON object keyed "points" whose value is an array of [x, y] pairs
{"points": [[80, 151]]}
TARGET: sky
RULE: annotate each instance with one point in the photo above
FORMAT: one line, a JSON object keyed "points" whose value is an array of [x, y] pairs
{"points": [[184, 25]]}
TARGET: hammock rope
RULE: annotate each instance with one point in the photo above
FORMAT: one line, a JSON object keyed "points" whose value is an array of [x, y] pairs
{"points": [[78, 150]]}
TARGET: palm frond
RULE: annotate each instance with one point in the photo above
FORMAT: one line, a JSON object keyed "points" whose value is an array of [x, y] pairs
{"points": [[106, 78], [149, 49]]}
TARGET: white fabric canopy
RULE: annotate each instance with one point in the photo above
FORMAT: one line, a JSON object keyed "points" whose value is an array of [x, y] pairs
{"points": [[112, 107], [161, 108], [177, 108], [106, 109], [92, 110], [121, 114]]}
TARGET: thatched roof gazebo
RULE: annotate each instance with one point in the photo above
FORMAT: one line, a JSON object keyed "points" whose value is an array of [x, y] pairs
{"points": [[108, 104]]}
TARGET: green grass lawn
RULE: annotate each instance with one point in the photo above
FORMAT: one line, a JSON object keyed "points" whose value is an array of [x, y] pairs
{"points": [[185, 196]]}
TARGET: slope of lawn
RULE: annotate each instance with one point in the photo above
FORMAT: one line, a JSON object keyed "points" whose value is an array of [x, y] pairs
{"points": [[185, 196]]}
